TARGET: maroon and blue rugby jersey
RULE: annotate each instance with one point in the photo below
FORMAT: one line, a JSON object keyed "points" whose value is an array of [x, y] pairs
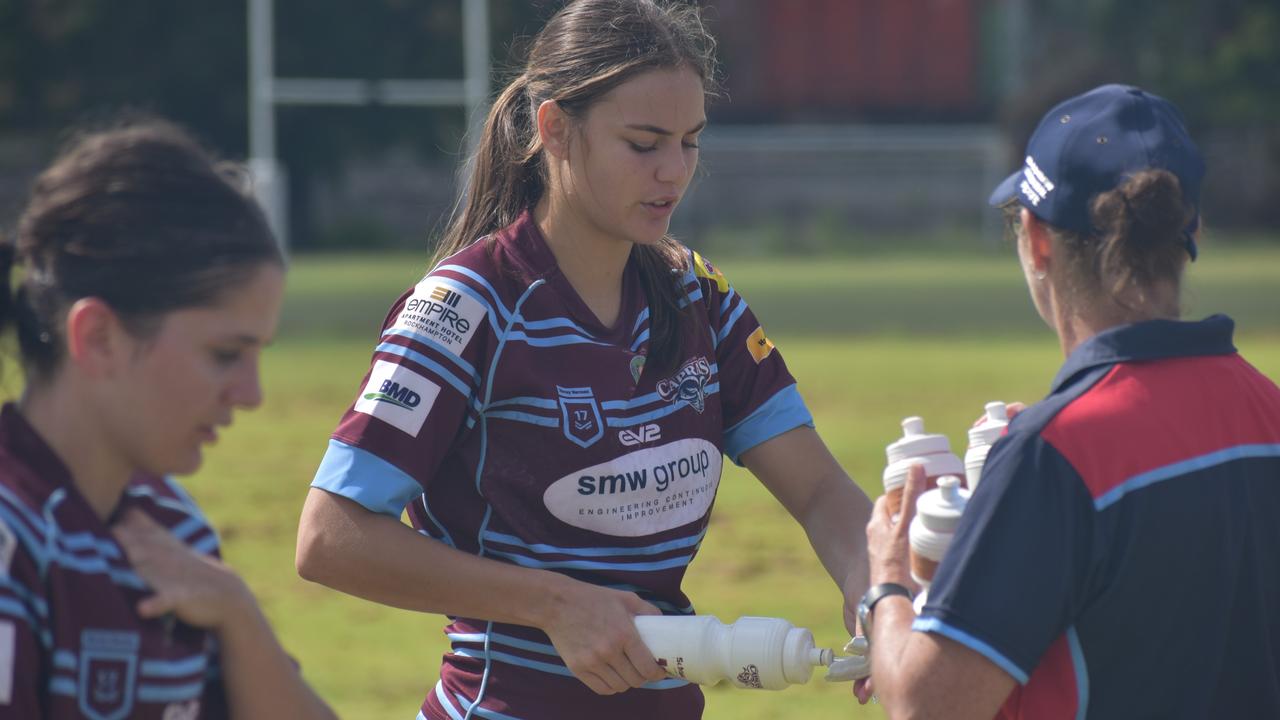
{"points": [[1121, 558], [71, 643], [516, 427]]}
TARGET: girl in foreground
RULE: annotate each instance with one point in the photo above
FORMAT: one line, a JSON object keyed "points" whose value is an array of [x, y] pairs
{"points": [[149, 284]]}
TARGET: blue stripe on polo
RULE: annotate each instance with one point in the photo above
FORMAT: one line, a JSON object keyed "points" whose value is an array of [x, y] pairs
{"points": [[1151, 477], [934, 625], [1081, 672]]}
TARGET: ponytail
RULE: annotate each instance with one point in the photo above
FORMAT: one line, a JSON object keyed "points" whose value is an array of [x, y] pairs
{"points": [[507, 174], [1141, 226], [661, 276]]}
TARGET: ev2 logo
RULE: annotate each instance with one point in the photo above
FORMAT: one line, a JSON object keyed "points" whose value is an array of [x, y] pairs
{"points": [[641, 435]]}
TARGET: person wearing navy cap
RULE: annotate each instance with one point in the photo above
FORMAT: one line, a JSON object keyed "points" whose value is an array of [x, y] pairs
{"points": [[1120, 558]]}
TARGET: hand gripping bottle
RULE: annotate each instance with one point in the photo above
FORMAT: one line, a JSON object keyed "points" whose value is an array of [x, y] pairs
{"points": [[916, 447], [981, 437], [754, 652], [937, 514]]}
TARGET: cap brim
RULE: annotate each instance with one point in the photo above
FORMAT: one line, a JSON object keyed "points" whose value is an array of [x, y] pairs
{"points": [[1006, 191]]}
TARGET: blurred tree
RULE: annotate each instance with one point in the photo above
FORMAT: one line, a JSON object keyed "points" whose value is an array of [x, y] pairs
{"points": [[68, 61], [1218, 60], [72, 62]]}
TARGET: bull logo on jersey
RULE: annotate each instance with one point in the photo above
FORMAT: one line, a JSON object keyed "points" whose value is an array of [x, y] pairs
{"points": [[108, 671], [689, 384], [580, 414]]}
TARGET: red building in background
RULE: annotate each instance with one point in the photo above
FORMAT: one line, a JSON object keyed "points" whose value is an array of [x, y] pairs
{"points": [[849, 59]]}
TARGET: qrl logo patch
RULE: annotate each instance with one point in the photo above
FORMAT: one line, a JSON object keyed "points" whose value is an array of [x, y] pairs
{"points": [[580, 414], [440, 311], [108, 670], [398, 396], [689, 384]]}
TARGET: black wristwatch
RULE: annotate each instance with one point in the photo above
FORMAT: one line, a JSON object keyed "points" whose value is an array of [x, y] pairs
{"points": [[873, 596]]}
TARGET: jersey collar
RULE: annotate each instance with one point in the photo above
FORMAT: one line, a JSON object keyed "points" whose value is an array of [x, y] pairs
{"points": [[1149, 340]]}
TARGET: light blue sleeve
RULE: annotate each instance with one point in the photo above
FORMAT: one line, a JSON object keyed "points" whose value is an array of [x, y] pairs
{"points": [[782, 412], [367, 479]]}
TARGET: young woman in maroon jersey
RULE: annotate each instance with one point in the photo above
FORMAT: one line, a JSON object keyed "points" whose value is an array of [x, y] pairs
{"points": [[552, 401], [148, 284]]}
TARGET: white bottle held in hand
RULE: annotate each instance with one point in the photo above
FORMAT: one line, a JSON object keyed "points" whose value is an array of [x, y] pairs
{"points": [[754, 652], [916, 447], [937, 515], [981, 437]]}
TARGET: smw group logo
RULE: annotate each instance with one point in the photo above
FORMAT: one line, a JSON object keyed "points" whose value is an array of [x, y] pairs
{"points": [[397, 396]]}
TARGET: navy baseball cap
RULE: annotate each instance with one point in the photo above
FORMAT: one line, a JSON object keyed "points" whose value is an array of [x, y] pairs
{"points": [[1089, 145]]}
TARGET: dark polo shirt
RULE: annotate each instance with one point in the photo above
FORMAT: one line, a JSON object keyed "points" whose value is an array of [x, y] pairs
{"points": [[1121, 558]]}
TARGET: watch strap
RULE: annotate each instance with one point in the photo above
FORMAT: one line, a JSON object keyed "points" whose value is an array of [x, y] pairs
{"points": [[882, 591]]}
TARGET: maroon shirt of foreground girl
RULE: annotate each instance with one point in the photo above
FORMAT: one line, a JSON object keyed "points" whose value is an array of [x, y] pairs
{"points": [[71, 643]]}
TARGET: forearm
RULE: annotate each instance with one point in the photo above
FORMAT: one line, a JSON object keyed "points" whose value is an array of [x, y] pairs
{"points": [[802, 474], [834, 520], [891, 633], [376, 557], [260, 679]]}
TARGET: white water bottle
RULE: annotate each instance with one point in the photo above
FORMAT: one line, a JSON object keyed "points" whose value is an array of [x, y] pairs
{"points": [[916, 447], [937, 515], [754, 652], [981, 437]]}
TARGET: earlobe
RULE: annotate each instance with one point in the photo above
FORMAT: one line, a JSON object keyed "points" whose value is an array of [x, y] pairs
{"points": [[93, 337], [553, 128]]}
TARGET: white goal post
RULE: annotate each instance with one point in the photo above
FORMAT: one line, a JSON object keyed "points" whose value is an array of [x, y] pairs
{"points": [[266, 91]]}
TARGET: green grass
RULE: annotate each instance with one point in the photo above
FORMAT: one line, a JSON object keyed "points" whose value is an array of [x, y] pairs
{"points": [[871, 341]]}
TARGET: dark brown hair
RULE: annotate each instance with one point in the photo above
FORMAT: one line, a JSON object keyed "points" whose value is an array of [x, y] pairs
{"points": [[140, 216], [586, 50], [1139, 242]]}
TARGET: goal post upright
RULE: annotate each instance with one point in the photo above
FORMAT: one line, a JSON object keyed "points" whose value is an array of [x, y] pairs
{"points": [[266, 91]]}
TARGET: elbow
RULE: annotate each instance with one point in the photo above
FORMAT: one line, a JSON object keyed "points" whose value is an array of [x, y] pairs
{"points": [[307, 555], [313, 556]]}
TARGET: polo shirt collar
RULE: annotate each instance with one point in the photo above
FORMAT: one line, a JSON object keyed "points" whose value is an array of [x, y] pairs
{"points": [[1149, 340]]}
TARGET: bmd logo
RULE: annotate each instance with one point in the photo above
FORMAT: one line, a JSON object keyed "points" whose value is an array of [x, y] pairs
{"points": [[396, 394]]}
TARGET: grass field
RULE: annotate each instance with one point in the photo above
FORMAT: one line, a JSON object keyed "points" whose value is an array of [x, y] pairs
{"points": [[871, 341]]}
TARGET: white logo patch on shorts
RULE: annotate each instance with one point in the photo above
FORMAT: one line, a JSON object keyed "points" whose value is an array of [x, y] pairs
{"points": [[440, 311], [398, 396]]}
